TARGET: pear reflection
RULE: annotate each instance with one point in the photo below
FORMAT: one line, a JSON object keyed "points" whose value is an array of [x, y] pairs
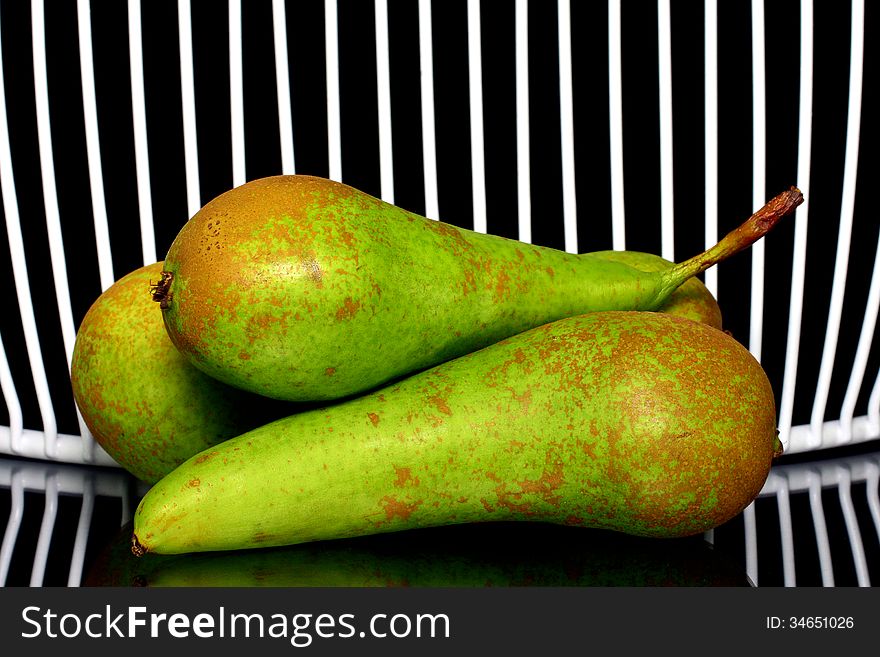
{"points": [[502, 554]]}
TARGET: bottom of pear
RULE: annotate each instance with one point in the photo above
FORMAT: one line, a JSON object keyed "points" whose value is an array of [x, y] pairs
{"points": [[137, 549]]}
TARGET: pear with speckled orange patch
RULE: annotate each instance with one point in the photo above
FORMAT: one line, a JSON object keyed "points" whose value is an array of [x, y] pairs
{"points": [[301, 288], [638, 422], [145, 404]]}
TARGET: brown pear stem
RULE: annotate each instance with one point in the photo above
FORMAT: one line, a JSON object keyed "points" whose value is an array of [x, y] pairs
{"points": [[137, 549], [739, 239]]}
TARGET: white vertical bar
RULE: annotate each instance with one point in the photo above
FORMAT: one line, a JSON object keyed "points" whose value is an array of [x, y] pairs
{"points": [[93, 145], [383, 80], [20, 274], [814, 483], [852, 526], [13, 405], [615, 96], [429, 147], [786, 534], [331, 46], [47, 526], [874, 407], [710, 57], [475, 95], [16, 246], [139, 117], [759, 175], [860, 363], [188, 98], [80, 543], [872, 491], [667, 207], [50, 202], [798, 267], [236, 94], [282, 84], [16, 512], [13, 229], [751, 538], [566, 111], [523, 161], [850, 169]]}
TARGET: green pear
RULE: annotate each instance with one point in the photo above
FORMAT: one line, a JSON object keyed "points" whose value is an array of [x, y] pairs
{"points": [[637, 422], [692, 300], [301, 288], [143, 402]]}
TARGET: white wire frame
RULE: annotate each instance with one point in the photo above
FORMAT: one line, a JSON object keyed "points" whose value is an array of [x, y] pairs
{"points": [[821, 432], [54, 480]]}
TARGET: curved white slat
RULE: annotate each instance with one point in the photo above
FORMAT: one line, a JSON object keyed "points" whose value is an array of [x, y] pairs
{"points": [[615, 99], [383, 80], [759, 175], [22, 282], [523, 149], [863, 350], [13, 406], [823, 545], [80, 542], [710, 57], [47, 527], [331, 50], [566, 121], [798, 266], [667, 205], [16, 512], [872, 490], [426, 82], [874, 408], [188, 98], [53, 213], [475, 97], [139, 118], [93, 145], [847, 204], [282, 85], [236, 94], [850, 518], [786, 533], [751, 539]]}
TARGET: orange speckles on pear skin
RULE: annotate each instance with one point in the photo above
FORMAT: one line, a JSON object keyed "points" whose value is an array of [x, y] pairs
{"points": [[441, 404], [347, 310], [404, 477], [374, 419], [398, 510]]}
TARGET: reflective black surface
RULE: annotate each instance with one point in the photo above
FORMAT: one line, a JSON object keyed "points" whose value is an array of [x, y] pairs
{"points": [[489, 554]]}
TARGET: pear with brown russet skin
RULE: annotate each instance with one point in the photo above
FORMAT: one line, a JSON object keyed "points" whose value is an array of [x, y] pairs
{"points": [[637, 422], [143, 402], [301, 288]]}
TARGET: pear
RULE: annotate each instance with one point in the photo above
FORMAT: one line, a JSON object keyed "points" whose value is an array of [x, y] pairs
{"points": [[637, 422], [143, 402], [301, 288], [692, 299]]}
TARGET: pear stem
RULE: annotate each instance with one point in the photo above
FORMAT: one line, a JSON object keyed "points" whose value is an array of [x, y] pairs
{"points": [[753, 229]]}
